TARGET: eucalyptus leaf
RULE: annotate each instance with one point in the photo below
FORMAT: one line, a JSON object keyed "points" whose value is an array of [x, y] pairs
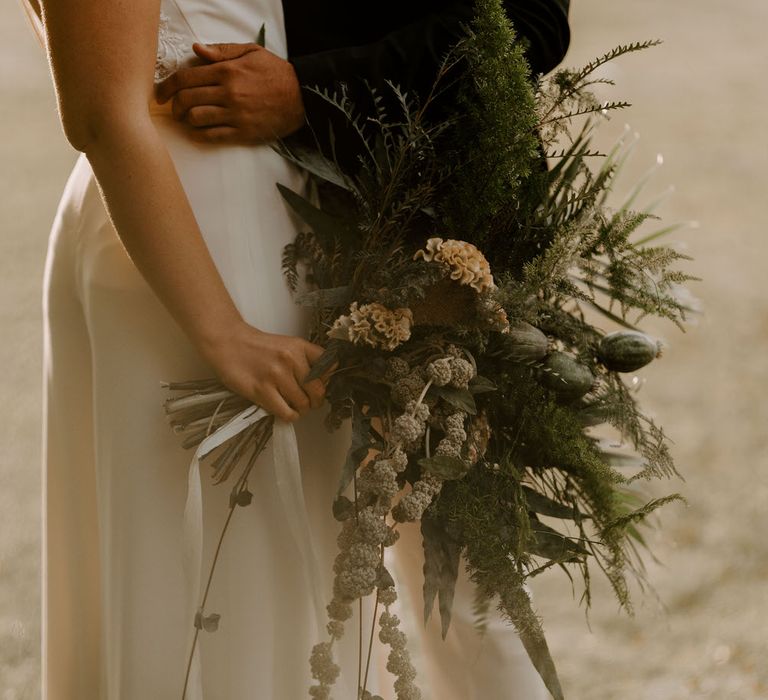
{"points": [[444, 466], [209, 623], [549, 543], [327, 228], [523, 616], [244, 498], [343, 508], [261, 38], [323, 363], [447, 588], [441, 568], [479, 385], [358, 449], [539, 503], [313, 161], [460, 398], [384, 578]]}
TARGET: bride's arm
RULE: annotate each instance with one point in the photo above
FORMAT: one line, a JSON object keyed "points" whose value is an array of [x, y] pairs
{"points": [[102, 56]]}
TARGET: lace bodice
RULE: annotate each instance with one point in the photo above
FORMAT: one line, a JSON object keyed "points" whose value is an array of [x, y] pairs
{"points": [[184, 22], [172, 48], [175, 37]]}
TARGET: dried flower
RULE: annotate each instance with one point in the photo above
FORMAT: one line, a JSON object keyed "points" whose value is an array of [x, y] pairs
{"points": [[353, 582], [363, 556], [373, 324], [322, 665], [448, 448], [373, 529], [420, 411], [407, 428], [399, 459], [387, 596], [454, 421], [396, 368], [392, 537], [407, 388], [439, 371], [412, 506], [478, 437], [467, 264], [462, 371], [456, 435], [398, 661], [339, 610], [335, 629], [320, 692]]}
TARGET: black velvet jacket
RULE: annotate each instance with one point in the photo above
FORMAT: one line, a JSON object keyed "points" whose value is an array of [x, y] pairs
{"points": [[331, 41]]}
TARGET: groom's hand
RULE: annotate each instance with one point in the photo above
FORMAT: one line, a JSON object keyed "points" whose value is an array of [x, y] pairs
{"points": [[243, 94]]}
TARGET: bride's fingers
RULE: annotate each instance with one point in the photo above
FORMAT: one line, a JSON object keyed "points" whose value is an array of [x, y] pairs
{"points": [[295, 396], [313, 352], [206, 116], [276, 404], [315, 389]]}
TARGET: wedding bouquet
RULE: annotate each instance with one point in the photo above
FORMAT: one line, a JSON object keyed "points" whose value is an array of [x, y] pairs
{"points": [[456, 282]]}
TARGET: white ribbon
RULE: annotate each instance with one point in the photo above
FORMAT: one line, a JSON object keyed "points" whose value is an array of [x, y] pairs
{"points": [[289, 487]]}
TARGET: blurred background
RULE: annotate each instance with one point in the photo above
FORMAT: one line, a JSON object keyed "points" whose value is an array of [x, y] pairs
{"points": [[700, 101]]}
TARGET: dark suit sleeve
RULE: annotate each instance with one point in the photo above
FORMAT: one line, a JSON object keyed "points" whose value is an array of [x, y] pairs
{"points": [[410, 55], [422, 44]]}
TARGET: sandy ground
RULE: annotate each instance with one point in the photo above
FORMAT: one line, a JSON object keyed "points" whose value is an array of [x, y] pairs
{"points": [[700, 100]]}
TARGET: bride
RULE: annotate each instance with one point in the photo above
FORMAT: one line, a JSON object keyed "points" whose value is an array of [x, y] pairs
{"points": [[163, 265]]}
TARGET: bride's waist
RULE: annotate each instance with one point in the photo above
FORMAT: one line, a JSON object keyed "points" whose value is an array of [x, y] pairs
{"points": [[205, 167]]}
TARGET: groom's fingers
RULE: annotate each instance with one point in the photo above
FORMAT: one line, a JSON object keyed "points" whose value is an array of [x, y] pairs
{"points": [[195, 76], [184, 100], [223, 52], [207, 116]]}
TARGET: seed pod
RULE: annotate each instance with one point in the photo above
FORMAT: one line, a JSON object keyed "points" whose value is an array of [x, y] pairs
{"points": [[627, 351], [524, 343], [567, 376]]}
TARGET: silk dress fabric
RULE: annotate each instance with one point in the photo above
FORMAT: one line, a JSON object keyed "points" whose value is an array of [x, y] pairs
{"points": [[130, 525]]}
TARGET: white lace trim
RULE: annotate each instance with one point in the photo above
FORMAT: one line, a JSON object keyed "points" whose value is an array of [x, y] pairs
{"points": [[171, 49]]}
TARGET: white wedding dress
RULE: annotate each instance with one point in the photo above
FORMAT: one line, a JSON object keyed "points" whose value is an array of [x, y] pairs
{"points": [[117, 616]]}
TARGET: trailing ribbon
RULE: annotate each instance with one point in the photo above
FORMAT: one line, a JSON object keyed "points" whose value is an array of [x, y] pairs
{"points": [[289, 486]]}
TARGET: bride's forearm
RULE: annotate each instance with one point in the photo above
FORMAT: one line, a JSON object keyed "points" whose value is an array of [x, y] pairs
{"points": [[155, 222], [102, 55]]}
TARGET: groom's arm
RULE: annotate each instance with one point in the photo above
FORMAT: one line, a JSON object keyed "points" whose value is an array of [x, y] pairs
{"points": [[409, 55]]}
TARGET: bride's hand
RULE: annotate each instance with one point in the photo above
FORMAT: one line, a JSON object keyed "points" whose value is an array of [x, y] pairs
{"points": [[268, 369]]}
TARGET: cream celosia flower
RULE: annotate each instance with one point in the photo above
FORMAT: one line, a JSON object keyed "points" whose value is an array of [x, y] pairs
{"points": [[374, 324], [467, 264]]}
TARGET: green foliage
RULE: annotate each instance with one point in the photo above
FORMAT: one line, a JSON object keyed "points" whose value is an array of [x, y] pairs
{"points": [[495, 142]]}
